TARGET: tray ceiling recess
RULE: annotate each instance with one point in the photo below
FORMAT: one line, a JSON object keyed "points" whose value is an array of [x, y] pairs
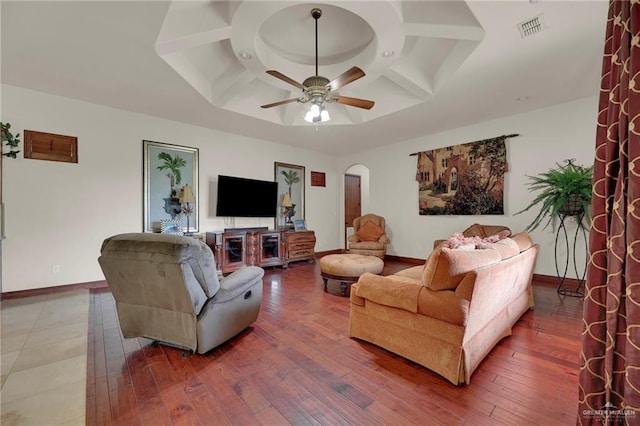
{"points": [[407, 49]]}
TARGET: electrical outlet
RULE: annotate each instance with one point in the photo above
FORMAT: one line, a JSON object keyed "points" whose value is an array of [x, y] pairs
{"points": [[55, 269]]}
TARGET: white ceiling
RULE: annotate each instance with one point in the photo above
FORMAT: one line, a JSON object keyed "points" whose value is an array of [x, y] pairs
{"points": [[455, 63]]}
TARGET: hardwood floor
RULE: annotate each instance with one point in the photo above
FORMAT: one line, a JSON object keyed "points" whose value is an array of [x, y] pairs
{"points": [[297, 365]]}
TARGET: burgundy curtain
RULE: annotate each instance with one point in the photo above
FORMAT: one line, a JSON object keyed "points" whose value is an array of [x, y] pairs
{"points": [[609, 391]]}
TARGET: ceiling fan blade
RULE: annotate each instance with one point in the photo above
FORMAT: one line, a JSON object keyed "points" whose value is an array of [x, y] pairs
{"points": [[356, 102], [345, 78], [284, 78], [286, 101]]}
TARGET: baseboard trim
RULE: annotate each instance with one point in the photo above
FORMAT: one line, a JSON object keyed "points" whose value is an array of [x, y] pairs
{"points": [[328, 252], [546, 280], [554, 281], [410, 260], [18, 294]]}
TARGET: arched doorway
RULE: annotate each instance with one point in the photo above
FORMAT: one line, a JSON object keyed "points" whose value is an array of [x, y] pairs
{"points": [[356, 196]]}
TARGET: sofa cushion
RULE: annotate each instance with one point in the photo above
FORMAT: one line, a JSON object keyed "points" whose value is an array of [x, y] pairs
{"points": [[506, 248], [446, 267], [414, 273], [369, 232], [443, 305], [398, 292], [523, 239], [367, 245]]}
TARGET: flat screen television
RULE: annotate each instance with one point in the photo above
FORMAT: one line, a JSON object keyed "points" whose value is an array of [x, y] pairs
{"points": [[241, 197]]}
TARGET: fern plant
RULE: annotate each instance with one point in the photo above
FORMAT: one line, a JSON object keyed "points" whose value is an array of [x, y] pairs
{"points": [[564, 190]]}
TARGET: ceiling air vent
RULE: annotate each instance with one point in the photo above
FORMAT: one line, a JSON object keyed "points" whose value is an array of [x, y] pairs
{"points": [[532, 26]]}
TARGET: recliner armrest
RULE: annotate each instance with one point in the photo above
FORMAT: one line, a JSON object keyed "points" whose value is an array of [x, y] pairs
{"points": [[238, 282]]}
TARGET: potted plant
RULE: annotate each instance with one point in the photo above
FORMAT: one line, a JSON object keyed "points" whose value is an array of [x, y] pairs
{"points": [[564, 191], [10, 140]]}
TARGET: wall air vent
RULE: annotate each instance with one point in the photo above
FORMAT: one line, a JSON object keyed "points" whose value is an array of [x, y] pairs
{"points": [[532, 26]]}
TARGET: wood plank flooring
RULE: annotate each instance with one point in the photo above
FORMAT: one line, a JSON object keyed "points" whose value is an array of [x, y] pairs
{"points": [[296, 365]]}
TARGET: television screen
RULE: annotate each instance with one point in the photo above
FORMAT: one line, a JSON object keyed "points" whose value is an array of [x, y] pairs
{"points": [[241, 197]]}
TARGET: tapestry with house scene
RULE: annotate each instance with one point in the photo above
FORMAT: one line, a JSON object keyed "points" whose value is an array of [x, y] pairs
{"points": [[465, 179]]}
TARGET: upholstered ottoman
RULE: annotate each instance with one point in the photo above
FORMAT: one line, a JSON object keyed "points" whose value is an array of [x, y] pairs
{"points": [[347, 268]]}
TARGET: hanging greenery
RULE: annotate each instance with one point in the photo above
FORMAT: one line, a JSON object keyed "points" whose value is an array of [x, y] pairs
{"points": [[10, 140]]}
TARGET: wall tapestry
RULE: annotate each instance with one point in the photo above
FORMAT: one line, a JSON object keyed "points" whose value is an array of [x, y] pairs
{"points": [[465, 179]]}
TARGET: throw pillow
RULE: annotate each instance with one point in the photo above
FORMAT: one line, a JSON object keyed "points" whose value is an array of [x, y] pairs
{"points": [[506, 248], [497, 237], [445, 268], [459, 241], [369, 232], [475, 230]]}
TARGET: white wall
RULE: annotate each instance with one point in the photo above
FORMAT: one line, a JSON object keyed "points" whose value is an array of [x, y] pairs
{"points": [[547, 136], [59, 214]]}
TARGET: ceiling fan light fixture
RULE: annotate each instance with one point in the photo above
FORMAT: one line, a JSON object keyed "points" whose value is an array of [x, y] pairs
{"points": [[316, 89], [317, 114]]}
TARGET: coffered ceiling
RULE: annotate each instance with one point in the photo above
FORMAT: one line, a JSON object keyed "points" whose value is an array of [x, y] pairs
{"points": [[430, 65]]}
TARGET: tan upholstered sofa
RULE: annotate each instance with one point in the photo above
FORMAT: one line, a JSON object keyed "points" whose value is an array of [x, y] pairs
{"points": [[369, 237], [448, 314], [167, 289], [478, 230]]}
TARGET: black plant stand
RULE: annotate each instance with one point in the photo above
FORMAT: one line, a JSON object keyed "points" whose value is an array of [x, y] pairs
{"points": [[562, 232]]}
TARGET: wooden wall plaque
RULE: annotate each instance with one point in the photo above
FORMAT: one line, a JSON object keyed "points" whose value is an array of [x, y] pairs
{"points": [[49, 146], [318, 179]]}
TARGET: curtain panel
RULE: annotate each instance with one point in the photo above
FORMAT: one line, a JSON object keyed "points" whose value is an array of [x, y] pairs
{"points": [[609, 385]]}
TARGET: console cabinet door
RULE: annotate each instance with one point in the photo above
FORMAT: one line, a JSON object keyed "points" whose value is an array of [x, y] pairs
{"points": [[269, 252], [234, 248]]}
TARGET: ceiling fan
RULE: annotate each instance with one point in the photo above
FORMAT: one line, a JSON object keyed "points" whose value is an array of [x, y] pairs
{"points": [[318, 90]]}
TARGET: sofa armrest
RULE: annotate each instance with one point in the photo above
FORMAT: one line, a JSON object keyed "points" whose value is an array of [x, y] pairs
{"points": [[238, 282], [392, 290], [353, 238]]}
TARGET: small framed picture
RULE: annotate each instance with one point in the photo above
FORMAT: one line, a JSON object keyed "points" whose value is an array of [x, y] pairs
{"points": [[171, 226], [300, 225]]}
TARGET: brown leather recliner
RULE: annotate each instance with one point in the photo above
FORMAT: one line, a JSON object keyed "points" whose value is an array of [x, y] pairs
{"points": [[166, 288], [369, 237]]}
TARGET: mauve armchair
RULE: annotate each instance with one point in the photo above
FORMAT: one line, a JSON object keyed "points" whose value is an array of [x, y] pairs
{"points": [[166, 288]]}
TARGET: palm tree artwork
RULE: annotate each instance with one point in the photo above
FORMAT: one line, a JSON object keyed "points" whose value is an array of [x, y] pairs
{"points": [[290, 177], [173, 165]]}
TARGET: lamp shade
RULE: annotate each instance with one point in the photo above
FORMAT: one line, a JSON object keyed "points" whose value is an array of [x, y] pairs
{"points": [[186, 195], [286, 200]]}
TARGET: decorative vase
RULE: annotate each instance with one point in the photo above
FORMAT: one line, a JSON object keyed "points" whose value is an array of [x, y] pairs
{"points": [[172, 206]]}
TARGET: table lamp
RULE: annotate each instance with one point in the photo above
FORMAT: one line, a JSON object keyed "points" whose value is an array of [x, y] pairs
{"points": [[186, 197], [287, 207]]}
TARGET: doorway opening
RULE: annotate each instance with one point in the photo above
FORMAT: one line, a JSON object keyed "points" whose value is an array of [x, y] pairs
{"points": [[356, 197]]}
